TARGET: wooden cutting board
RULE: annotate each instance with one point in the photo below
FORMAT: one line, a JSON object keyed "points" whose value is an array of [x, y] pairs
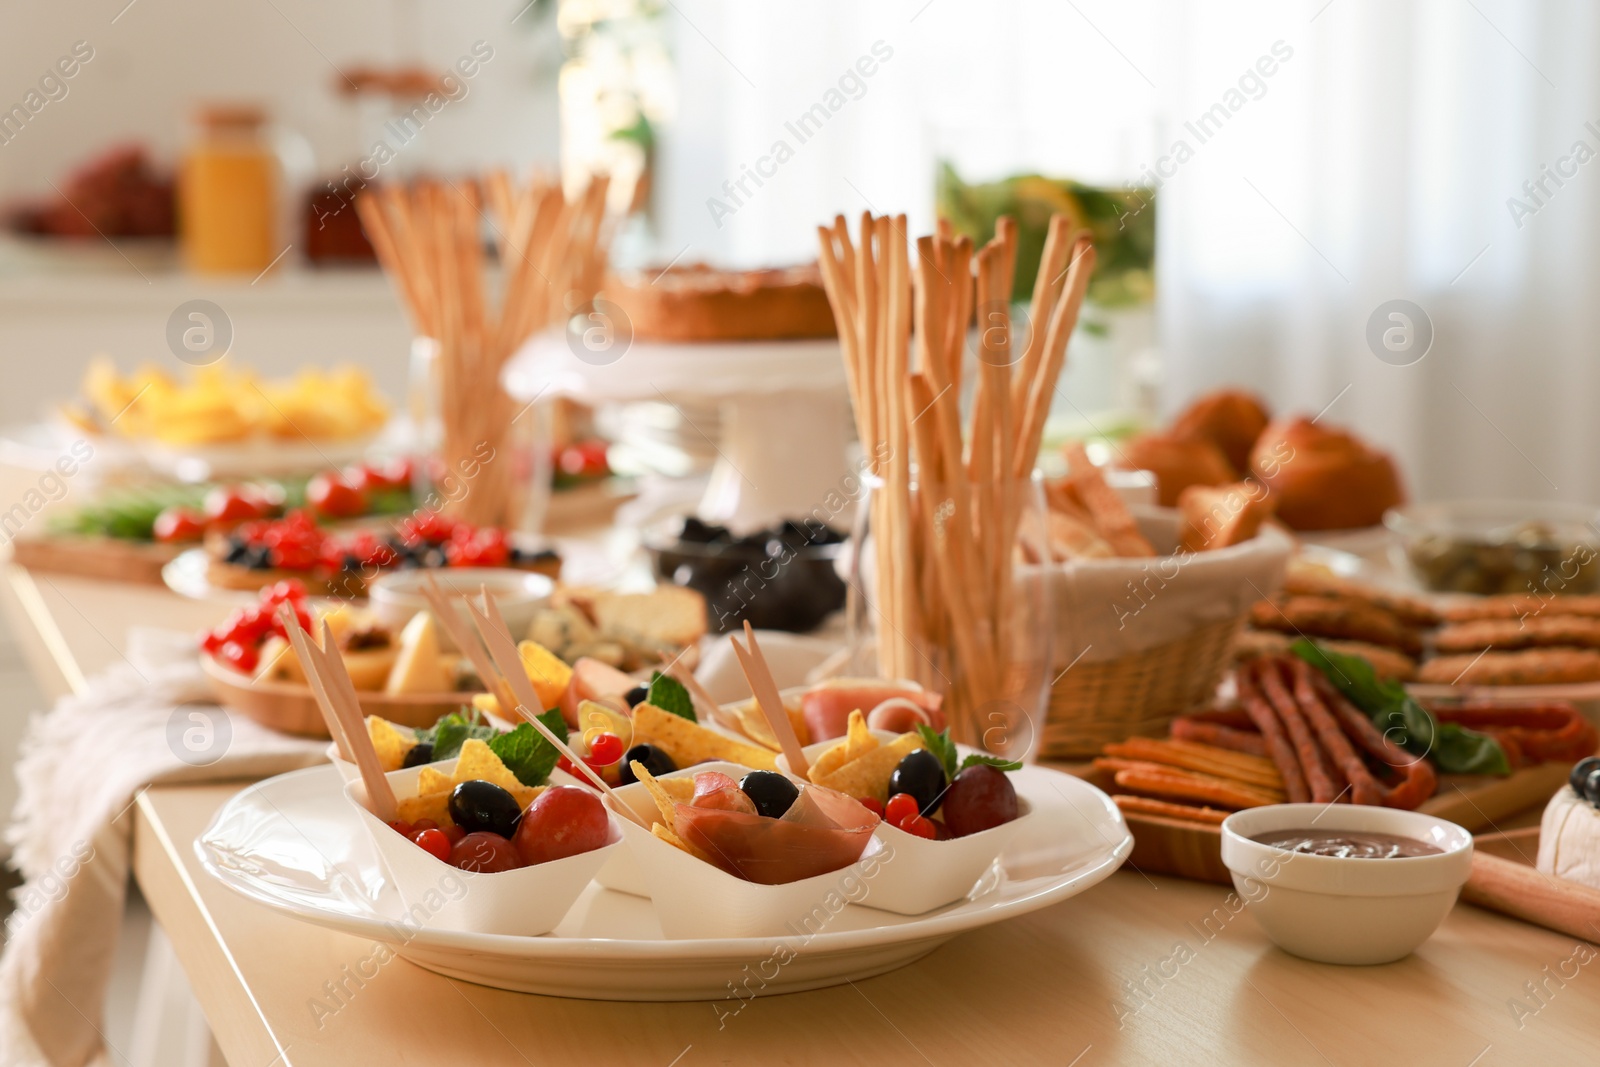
{"points": [[95, 557], [1477, 802]]}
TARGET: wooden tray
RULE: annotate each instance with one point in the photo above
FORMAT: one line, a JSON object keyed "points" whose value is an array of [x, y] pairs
{"points": [[95, 557], [292, 709], [1188, 850], [1503, 879]]}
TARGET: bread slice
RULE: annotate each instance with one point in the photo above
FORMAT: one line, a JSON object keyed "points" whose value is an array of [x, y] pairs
{"points": [[1216, 517]]}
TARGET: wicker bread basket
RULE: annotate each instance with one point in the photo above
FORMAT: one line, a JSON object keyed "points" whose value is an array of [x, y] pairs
{"points": [[1140, 641]]}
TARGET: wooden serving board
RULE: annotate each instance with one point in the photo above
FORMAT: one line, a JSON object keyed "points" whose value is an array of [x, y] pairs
{"points": [[1503, 879], [95, 557], [292, 709], [1476, 802]]}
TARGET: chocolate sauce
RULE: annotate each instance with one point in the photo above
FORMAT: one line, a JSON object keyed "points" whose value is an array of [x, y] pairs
{"points": [[1348, 844]]}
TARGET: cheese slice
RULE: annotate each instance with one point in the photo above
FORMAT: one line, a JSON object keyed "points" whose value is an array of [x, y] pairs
{"points": [[420, 667]]}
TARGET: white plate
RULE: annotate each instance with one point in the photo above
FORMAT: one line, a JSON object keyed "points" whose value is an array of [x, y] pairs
{"points": [[292, 844]]}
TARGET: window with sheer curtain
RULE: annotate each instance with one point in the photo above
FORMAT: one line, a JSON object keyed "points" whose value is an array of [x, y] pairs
{"points": [[1426, 151]]}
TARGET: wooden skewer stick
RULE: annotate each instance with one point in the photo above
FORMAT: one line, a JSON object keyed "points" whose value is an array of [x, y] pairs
{"points": [[498, 640], [765, 690], [332, 699], [469, 645], [330, 715]]}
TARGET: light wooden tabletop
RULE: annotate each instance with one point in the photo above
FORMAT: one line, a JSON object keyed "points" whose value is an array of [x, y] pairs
{"points": [[1099, 979], [1137, 970]]}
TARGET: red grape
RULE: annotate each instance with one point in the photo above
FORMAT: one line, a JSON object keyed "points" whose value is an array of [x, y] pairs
{"points": [[564, 821], [979, 799], [484, 853]]}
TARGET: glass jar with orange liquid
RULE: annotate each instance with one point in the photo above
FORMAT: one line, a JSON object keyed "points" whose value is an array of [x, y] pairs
{"points": [[228, 193]]}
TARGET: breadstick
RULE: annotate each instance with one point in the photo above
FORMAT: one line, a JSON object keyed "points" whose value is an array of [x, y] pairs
{"points": [[1151, 806], [1185, 786], [1210, 733], [1364, 788], [1319, 777], [1206, 759], [1273, 737]]}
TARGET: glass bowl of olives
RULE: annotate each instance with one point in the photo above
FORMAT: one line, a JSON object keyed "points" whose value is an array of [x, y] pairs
{"points": [[787, 577], [1493, 547]]}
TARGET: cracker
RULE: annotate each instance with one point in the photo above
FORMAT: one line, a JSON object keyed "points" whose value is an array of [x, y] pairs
{"points": [[689, 742]]}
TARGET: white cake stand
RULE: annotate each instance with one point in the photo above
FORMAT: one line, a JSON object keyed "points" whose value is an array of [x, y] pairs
{"points": [[785, 411]]}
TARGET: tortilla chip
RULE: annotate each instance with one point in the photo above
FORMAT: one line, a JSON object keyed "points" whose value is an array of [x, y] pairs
{"points": [[477, 760], [754, 725], [435, 806], [430, 780], [868, 776], [689, 742], [675, 841], [829, 761], [547, 671], [658, 793], [390, 743], [858, 740]]}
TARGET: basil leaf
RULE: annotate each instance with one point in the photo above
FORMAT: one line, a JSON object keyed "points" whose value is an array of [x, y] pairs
{"points": [[1453, 748], [939, 743], [669, 694]]}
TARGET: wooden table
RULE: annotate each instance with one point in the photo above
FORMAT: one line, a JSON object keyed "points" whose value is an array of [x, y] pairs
{"points": [[1137, 970]]}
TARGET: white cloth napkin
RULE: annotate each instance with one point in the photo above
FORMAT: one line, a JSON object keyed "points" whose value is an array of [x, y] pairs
{"points": [[82, 766]]}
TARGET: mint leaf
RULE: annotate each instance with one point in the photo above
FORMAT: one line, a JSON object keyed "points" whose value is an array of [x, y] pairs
{"points": [[668, 694], [1453, 748], [940, 745], [526, 753], [985, 760], [451, 732]]}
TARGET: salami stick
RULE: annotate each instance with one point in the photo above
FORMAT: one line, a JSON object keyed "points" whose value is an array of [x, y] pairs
{"points": [[1210, 733], [1419, 782], [1364, 788], [1320, 780], [1277, 745]]}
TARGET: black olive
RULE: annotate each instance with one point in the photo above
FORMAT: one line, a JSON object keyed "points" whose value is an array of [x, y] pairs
{"points": [[258, 558], [237, 552], [922, 775], [636, 696], [1579, 777], [655, 761], [350, 562], [1591, 788], [434, 557], [421, 752], [770, 792], [479, 805], [516, 555]]}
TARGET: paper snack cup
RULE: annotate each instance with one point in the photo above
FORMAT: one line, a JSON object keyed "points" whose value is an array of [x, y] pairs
{"points": [[622, 872], [524, 902], [916, 875], [694, 899]]}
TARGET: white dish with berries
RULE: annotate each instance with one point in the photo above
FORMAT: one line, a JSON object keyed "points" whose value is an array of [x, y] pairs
{"points": [[294, 844]]}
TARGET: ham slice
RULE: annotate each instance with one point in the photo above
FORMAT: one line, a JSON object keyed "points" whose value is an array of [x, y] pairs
{"points": [[827, 706], [822, 831]]}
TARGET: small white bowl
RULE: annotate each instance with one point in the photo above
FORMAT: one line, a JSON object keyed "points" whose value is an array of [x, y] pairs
{"points": [[1341, 910], [694, 899], [396, 597], [916, 875], [525, 902]]}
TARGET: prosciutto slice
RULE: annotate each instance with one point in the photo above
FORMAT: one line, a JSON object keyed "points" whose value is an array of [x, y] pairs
{"points": [[827, 706], [822, 831]]}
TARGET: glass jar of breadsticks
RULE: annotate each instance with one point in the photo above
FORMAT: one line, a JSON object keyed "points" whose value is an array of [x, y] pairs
{"points": [[551, 250], [945, 583], [958, 604]]}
